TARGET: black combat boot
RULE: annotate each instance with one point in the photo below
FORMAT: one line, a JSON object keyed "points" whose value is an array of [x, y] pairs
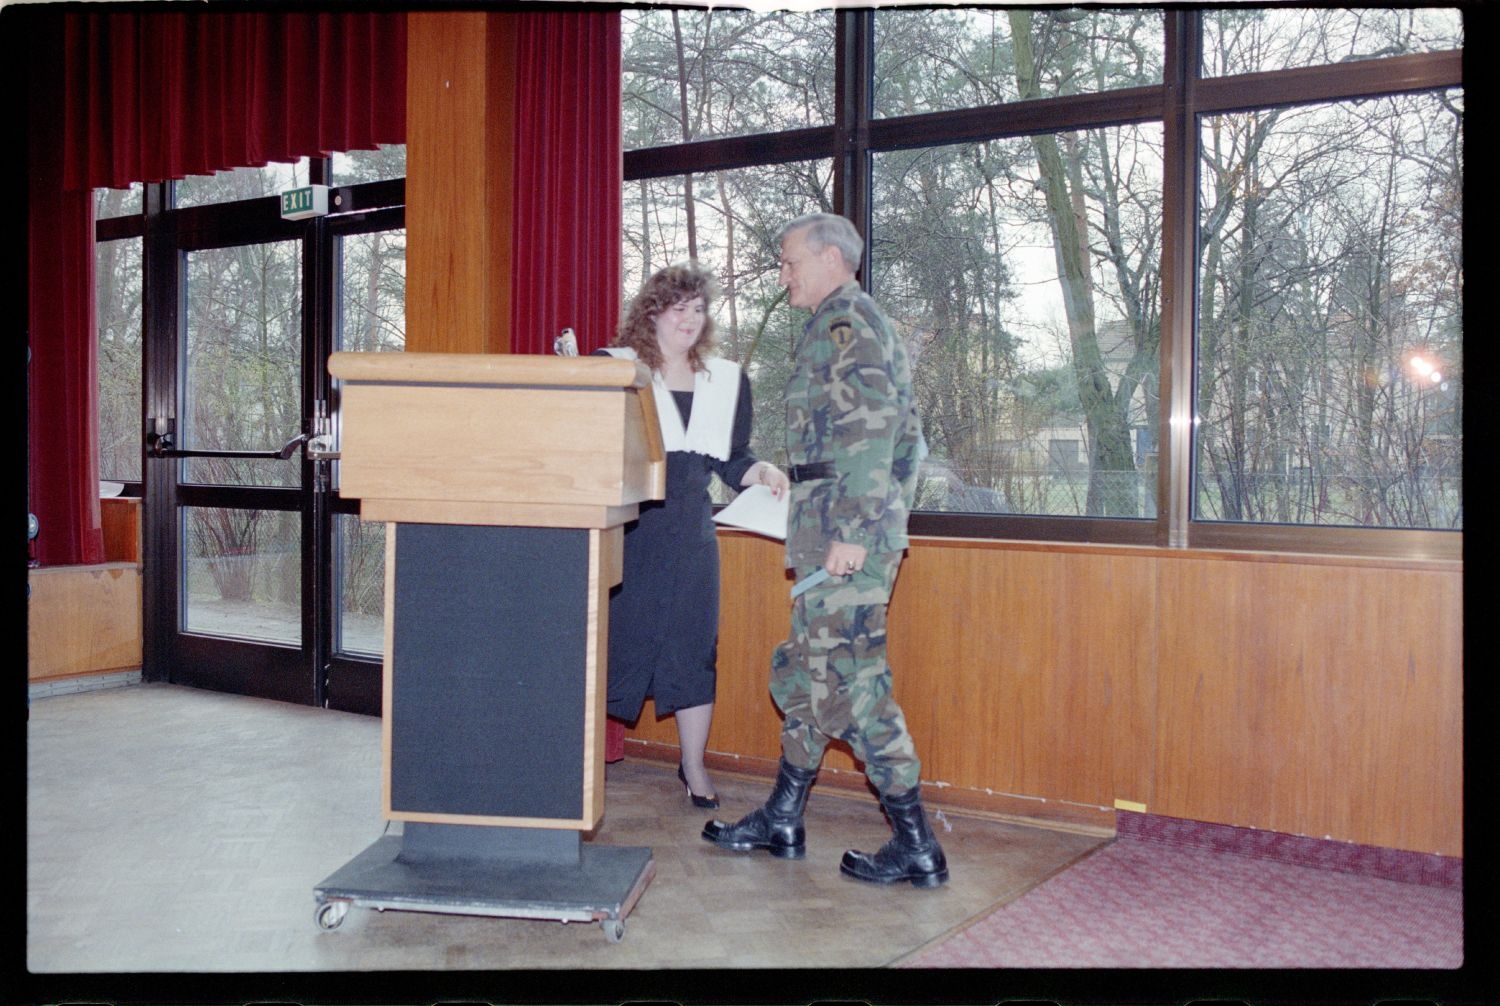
{"points": [[775, 827], [912, 854]]}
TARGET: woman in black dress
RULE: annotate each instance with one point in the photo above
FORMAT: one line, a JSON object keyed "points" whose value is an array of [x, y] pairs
{"points": [[664, 617]]}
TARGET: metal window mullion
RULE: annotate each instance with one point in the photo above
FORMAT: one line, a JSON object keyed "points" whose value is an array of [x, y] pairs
{"points": [[1309, 85], [978, 123], [1179, 281], [853, 103]]}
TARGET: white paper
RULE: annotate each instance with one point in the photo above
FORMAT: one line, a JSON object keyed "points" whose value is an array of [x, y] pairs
{"points": [[756, 509]]}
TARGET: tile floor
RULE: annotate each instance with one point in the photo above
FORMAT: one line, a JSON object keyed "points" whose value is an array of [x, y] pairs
{"points": [[174, 830]]}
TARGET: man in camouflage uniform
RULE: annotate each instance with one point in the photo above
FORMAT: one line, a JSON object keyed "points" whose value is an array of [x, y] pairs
{"points": [[854, 440]]}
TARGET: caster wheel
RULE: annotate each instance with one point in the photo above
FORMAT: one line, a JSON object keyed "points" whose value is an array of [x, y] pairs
{"points": [[330, 914], [614, 929]]}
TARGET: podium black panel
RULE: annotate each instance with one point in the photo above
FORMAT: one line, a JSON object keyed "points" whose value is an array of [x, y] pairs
{"points": [[488, 671]]}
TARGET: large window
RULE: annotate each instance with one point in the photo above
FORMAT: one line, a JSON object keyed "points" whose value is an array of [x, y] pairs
{"points": [[1022, 356], [117, 306], [1022, 178], [1251, 40], [734, 216], [690, 75], [1330, 339], [948, 59]]}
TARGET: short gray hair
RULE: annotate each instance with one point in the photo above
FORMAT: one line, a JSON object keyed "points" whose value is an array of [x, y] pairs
{"points": [[825, 229]]}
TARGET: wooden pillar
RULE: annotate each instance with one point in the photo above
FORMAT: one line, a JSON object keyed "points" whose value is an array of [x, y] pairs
{"points": [[460, 101]]}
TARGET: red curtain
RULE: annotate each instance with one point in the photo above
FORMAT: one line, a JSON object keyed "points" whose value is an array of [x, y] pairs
{"points": [[567, 194], [62, 478], [567, 180], [116, 98], [152, 96]]}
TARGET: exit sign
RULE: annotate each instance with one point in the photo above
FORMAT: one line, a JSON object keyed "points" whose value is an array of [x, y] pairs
{"points": [[308, 201]]}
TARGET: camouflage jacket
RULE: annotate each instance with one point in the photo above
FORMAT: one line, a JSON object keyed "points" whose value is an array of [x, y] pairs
{"points": [[849, 401]]}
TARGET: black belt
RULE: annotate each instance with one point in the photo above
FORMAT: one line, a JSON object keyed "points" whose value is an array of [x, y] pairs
{"points": [[809, 472]]}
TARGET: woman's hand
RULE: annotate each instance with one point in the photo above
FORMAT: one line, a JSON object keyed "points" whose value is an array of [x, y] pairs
{"points": [[766, 474]]}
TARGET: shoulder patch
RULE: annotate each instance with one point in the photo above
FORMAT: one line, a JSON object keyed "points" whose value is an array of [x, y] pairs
{"points": [[842, 333]]}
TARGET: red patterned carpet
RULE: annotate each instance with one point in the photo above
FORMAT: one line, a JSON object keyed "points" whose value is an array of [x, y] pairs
{"points": [[1150, 904]]}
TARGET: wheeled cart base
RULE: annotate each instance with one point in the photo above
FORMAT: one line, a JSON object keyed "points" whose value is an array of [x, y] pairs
{"points": [[602, 885]]}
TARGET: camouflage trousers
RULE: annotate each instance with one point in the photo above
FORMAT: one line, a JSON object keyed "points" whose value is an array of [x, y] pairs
{"points": [[831, 680]]}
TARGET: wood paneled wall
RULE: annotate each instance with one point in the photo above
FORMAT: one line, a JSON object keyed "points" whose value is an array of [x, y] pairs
{"points": [[1313, 698], [83, 620], [1310, 695], [460, 99], [87, 619]]}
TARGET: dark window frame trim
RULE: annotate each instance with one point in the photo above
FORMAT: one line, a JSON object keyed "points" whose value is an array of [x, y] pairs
{"points": [[351, 201], [1314, 85], [1126, 106]]}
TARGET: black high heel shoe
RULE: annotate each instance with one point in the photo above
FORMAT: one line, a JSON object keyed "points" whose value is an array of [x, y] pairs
{"points": [[704, 802]]}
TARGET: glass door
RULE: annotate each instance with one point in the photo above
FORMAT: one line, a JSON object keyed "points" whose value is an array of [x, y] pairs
{"points": [[258, 578], [235, 538], [368, 259]]}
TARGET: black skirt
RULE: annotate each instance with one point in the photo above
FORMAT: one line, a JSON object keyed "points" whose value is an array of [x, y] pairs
{"points": [[664, 615]]}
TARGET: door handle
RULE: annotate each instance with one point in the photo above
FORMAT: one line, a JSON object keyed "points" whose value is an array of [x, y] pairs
{"points": [[159, 445]]}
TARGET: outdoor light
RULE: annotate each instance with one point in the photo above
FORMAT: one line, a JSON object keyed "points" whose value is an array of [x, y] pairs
{"points": [[1424, 367]]}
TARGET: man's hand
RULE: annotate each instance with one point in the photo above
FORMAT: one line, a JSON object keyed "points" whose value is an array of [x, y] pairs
{"points": [[843, 559]]}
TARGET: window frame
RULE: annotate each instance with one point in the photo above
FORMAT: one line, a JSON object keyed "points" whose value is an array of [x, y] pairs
{"points": [[1177, 103]]}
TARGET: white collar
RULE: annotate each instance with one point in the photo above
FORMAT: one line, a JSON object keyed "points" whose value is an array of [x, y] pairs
{"points": [[710, 428]]}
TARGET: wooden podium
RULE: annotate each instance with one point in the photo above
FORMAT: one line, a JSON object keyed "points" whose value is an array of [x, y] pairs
{"points": [[505, 482]]}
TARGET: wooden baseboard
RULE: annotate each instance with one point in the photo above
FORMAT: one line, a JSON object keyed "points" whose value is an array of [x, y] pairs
{"points": [[953, 799]]}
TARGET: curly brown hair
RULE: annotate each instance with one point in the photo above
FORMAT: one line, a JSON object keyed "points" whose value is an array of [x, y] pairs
{"points": [[666, 287]]}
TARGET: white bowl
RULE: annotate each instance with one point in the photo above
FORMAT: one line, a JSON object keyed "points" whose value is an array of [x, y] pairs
{"points": [[108, 489]]}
